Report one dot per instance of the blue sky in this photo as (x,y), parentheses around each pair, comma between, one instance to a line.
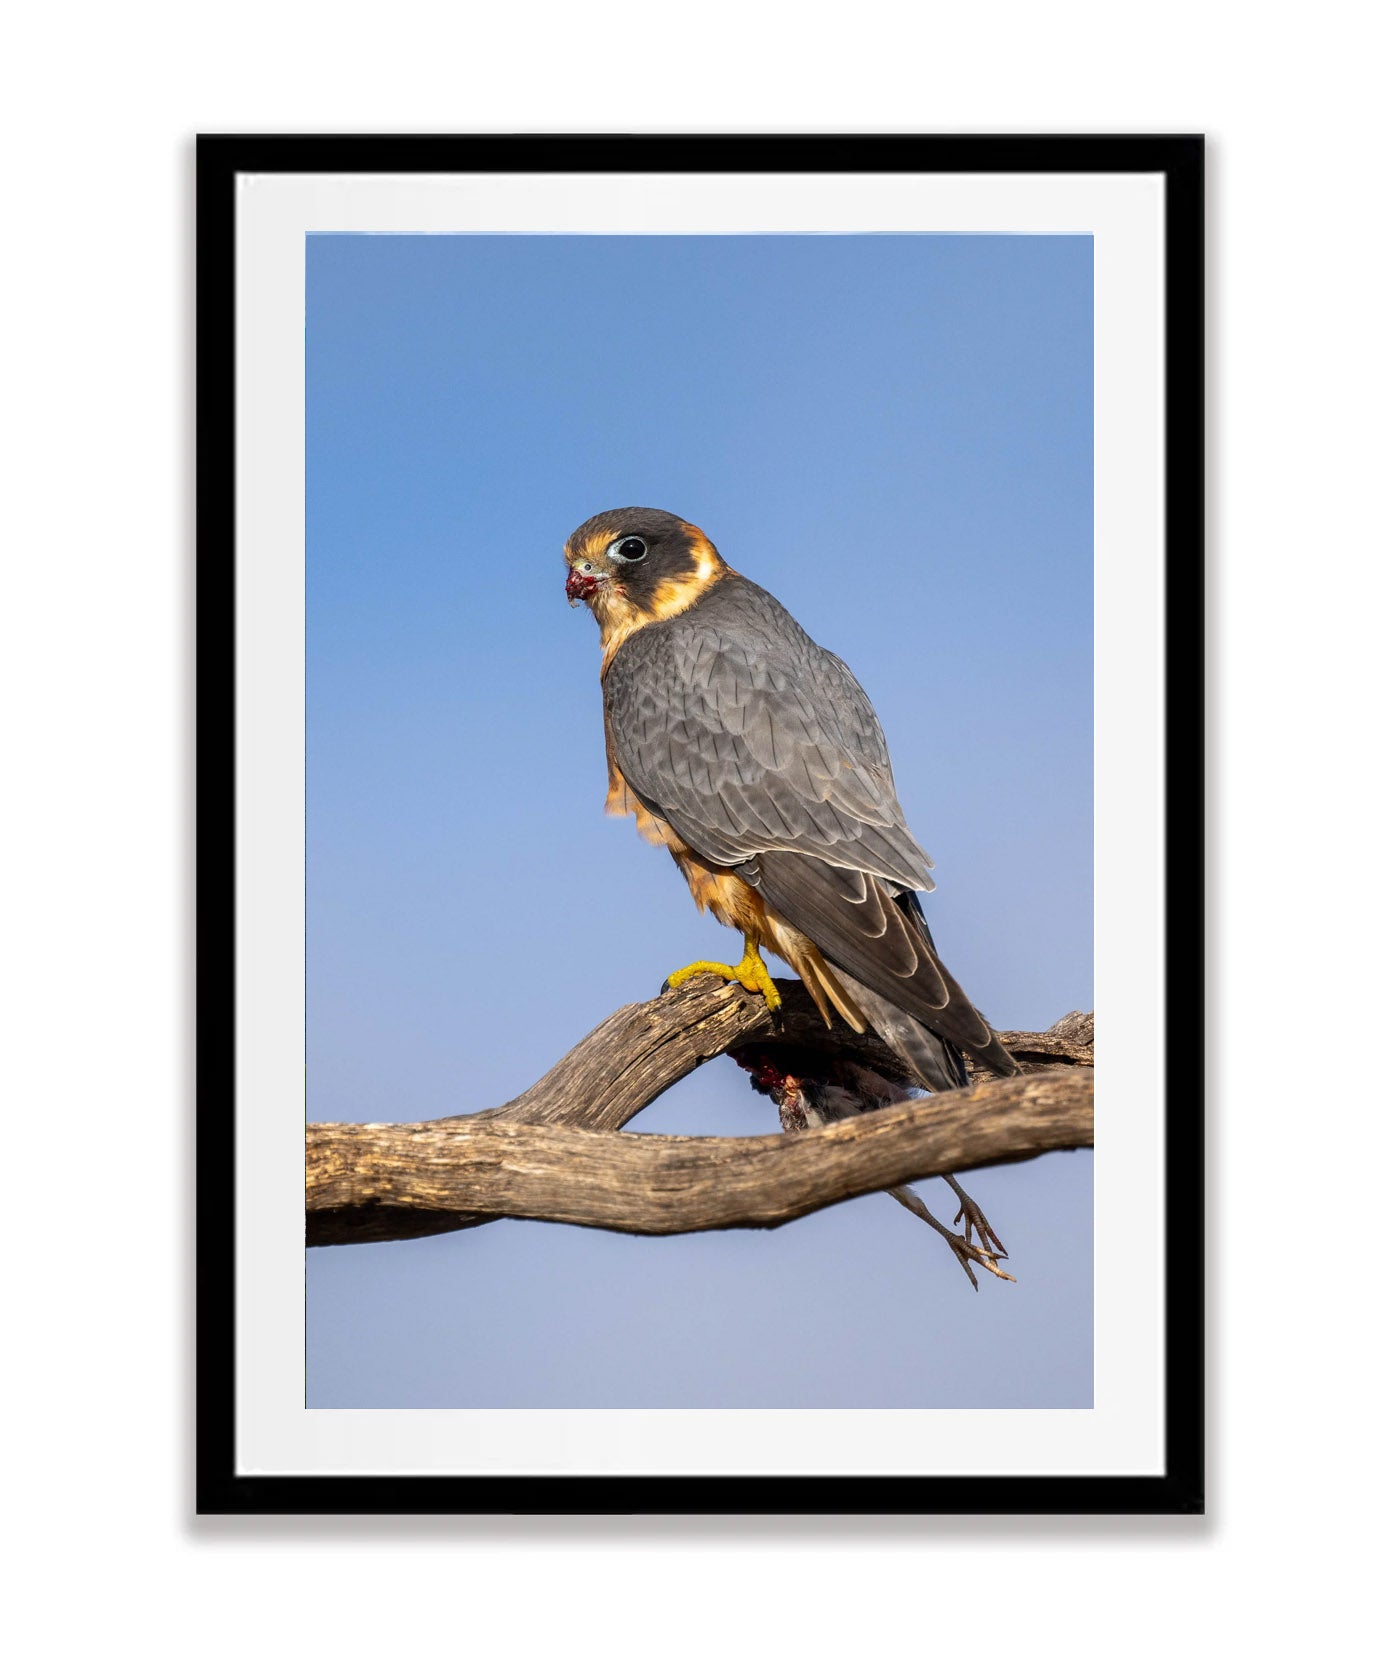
(894,435)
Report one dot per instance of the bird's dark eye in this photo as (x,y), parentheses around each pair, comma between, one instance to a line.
(629,548)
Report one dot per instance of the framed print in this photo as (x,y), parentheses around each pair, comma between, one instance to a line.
(520,1189)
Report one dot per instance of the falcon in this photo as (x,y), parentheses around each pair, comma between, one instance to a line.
(757,760)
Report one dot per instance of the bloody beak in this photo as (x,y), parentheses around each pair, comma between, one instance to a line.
(578,586)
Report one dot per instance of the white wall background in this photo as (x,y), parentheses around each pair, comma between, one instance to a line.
(1285,1575)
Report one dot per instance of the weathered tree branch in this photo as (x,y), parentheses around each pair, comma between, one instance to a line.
(658,1185)
(528,1159)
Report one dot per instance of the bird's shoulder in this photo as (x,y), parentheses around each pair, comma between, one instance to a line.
(733,724)
(736,625)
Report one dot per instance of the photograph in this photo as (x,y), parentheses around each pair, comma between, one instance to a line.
(880,446)
(702,764)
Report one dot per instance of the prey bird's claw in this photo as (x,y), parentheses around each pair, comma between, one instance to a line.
(973,1220)
(965,1252)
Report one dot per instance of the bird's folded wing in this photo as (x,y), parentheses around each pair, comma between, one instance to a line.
(854,919)
(733,725)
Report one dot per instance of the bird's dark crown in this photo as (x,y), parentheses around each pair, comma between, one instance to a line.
(661,531)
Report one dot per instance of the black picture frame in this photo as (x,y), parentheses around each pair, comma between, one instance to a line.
(1179,161)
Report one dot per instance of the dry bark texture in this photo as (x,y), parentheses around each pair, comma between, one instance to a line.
(533,1158)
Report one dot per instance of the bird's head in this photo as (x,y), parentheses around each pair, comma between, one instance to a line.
(640,559)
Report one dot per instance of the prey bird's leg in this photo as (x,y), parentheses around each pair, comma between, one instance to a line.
(976,1221)
(750,972)
(963,1249)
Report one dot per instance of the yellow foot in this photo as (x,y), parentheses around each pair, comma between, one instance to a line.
(751,974)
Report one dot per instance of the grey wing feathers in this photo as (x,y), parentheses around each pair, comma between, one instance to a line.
(878,937)
(733,724)
(934,1062)
(764,754)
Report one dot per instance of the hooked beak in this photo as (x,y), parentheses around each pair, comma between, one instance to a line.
(579,586)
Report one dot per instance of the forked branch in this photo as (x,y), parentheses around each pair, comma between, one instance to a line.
(532,1158)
